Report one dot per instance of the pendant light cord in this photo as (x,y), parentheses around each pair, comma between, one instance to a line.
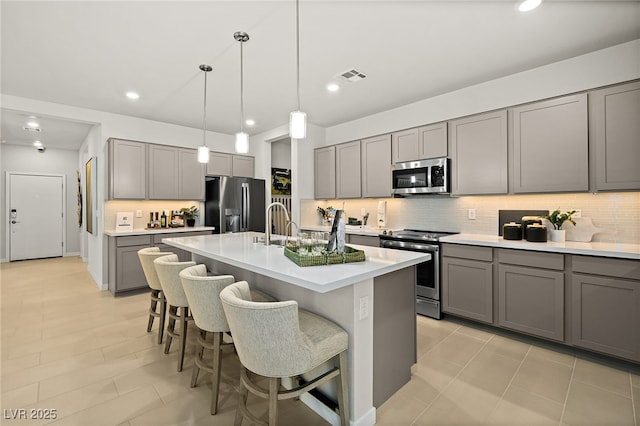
(204,115)
(241,88)
(298,50)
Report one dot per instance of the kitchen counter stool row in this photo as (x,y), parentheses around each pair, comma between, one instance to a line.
(273,339)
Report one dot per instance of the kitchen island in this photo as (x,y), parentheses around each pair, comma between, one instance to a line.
(374,301)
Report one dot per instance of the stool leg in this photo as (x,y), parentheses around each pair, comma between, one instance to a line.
(242,398)
(274,385)
(183,336)
(217,362)
(343,390)
(170,327)
(163,315)
(199,357)
(152,309)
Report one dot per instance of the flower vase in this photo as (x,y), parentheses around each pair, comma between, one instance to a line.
(557,235)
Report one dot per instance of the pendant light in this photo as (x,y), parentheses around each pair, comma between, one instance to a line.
(242,139)
(203,151)
(298,119)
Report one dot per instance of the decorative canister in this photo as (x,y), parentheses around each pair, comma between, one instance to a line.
(537,233)
(512,231)
(526,221)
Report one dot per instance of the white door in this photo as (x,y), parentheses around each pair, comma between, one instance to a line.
(35,216)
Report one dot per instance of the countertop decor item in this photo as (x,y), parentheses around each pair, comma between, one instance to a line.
(350,255)
(537,233)
(190,214)
(557,218)
(512,231)
(583,230)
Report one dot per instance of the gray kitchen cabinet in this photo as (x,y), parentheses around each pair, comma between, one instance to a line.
(364,240)
(405,145)
(127,170)
(325,173)
(348,170)
(125,270)
(531,292)
(220,164)
(467,281)
(478,151)
(615,137)
(243,166)
(432,141)
(376,166)
(605,305)
(191,175)
(550,146)
(163,172)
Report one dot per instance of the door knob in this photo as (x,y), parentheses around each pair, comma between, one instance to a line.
(14,221)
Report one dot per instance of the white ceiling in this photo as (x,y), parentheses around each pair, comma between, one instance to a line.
(89,53)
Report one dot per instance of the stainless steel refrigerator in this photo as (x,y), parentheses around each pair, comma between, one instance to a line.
(235,204)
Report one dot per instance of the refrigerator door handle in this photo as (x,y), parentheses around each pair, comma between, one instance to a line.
(245,207)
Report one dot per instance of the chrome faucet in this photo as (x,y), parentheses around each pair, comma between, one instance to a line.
(267,225)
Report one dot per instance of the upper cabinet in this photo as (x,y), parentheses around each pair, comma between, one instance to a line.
(163,172)
(432,140)
(614,114)
(376,166)
(127,170)
(223,164)
(191,175)
(550,146)
(325,172)
(405,146)
(348,177)
(478,150)
(243,166)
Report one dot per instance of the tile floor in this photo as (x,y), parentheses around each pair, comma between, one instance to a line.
(68,347)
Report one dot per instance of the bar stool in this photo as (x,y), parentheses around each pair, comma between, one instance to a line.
(277,340)
(147,256)
(168,269)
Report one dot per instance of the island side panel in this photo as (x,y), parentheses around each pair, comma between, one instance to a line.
(342,307)
(394,332)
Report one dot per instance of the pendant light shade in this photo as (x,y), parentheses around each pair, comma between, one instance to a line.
(203,151)
(242,139)
(298,119)
(297,125)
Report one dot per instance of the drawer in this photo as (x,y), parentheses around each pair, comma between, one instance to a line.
(534,259)
(621,268)
(157,238)
(468,252)
(133,240)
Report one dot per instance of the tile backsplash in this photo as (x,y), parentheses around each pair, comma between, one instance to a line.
(111,208)
(617,212)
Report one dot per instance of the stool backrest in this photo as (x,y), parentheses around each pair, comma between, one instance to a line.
(203,294)
(168,269)
(147,256)
(266,334)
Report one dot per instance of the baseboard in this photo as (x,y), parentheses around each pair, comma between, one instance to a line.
(4,260)
(72,253)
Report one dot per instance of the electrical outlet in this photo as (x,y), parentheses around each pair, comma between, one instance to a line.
(138,213)
(364,307)
(578,213)
(471,214)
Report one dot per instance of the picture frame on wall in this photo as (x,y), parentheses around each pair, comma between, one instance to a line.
(280,181)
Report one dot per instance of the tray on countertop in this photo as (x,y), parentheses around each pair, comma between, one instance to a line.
(350,255)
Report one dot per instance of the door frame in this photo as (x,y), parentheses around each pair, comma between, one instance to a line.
(7,192)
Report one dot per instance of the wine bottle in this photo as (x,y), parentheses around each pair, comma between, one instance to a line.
(163,220)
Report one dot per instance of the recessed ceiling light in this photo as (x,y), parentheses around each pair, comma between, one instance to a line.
(527,5)
(250,122)
(37,143)
(133,95)
(33,124)
(333,87)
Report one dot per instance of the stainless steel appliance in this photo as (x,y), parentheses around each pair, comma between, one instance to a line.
(421,177)
(428,273)
(235,204)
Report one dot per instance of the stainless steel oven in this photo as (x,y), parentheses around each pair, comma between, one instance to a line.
(428,273)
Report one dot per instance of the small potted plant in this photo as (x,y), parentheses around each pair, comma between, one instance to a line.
(557,219)
(325,215)
(190,214)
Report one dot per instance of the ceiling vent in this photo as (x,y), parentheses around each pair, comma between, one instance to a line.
(351,75)
(32,129)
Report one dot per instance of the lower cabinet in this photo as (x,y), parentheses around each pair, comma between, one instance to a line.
(605,306)
(364,240)
(467,282)
(125,270)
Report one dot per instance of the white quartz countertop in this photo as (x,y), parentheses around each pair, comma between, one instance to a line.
(350,229)
(143,231)
(624,251)
(239,250)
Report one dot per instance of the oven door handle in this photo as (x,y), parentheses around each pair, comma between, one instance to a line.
(405,245)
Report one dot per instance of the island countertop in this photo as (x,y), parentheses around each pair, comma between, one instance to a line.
(238,249)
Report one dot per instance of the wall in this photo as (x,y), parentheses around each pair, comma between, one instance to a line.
(16,158)
(618,213)
(281,154)
(572,75)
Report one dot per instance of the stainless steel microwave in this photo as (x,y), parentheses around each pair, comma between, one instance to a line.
(421,177)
